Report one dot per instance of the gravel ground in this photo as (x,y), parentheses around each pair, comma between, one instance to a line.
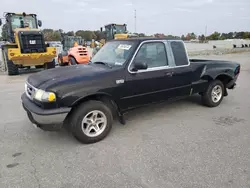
(177,145)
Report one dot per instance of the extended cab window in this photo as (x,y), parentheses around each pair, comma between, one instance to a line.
(179,51)
(152,53)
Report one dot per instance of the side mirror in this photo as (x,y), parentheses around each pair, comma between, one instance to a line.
(101,29)
(39,23)
(1,22)
(139,66)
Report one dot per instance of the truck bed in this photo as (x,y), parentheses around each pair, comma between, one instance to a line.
(195,63)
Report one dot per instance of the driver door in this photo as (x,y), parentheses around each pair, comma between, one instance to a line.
(150,85)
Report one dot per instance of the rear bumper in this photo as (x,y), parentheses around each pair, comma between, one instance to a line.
(49,120)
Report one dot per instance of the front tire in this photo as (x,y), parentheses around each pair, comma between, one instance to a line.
(50,65)
(214,94)
(12,68)
(60,60)
(91,122)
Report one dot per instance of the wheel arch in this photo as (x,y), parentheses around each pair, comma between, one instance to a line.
(104,97)
(70,55)
(224,78)
(73,57)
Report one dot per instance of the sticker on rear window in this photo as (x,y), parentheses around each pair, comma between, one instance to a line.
(124,47)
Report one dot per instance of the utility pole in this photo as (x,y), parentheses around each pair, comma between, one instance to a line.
(206,33)
(135,20)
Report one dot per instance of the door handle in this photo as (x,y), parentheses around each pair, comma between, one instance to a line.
(169,74)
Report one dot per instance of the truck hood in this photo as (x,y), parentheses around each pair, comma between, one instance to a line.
(47,78)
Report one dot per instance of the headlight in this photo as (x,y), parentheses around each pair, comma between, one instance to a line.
(44,96)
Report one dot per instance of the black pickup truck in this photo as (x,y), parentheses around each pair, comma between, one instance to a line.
(124,74)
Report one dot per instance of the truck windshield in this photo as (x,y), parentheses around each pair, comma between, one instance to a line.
(114,53)
(19,21)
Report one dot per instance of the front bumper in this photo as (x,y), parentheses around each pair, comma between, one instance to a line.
(30,59)
(49,120)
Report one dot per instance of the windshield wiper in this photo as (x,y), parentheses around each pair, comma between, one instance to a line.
(103,63)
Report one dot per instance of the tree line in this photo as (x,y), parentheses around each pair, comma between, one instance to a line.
(217,36)
(87,35)
(56,35)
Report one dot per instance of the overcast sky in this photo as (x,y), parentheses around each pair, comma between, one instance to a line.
(153,16)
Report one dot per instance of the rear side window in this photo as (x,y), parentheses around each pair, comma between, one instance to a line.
(179,52)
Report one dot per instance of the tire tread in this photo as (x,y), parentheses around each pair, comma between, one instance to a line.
(12,68)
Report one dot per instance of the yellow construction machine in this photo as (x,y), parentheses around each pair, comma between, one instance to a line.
(116,31)
(113,31)
(25,46)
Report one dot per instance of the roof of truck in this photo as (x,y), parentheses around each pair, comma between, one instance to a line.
(140,39)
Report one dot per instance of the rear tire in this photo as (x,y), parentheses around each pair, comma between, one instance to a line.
(50,65)
(60,60)
(91,122)
(214,94)
(72,61)
(12,68)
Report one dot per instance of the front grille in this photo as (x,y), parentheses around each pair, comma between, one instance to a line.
(32,42)
(30,90)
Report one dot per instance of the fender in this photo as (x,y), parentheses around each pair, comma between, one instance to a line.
(91,95)
(106,98)
(214,73)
